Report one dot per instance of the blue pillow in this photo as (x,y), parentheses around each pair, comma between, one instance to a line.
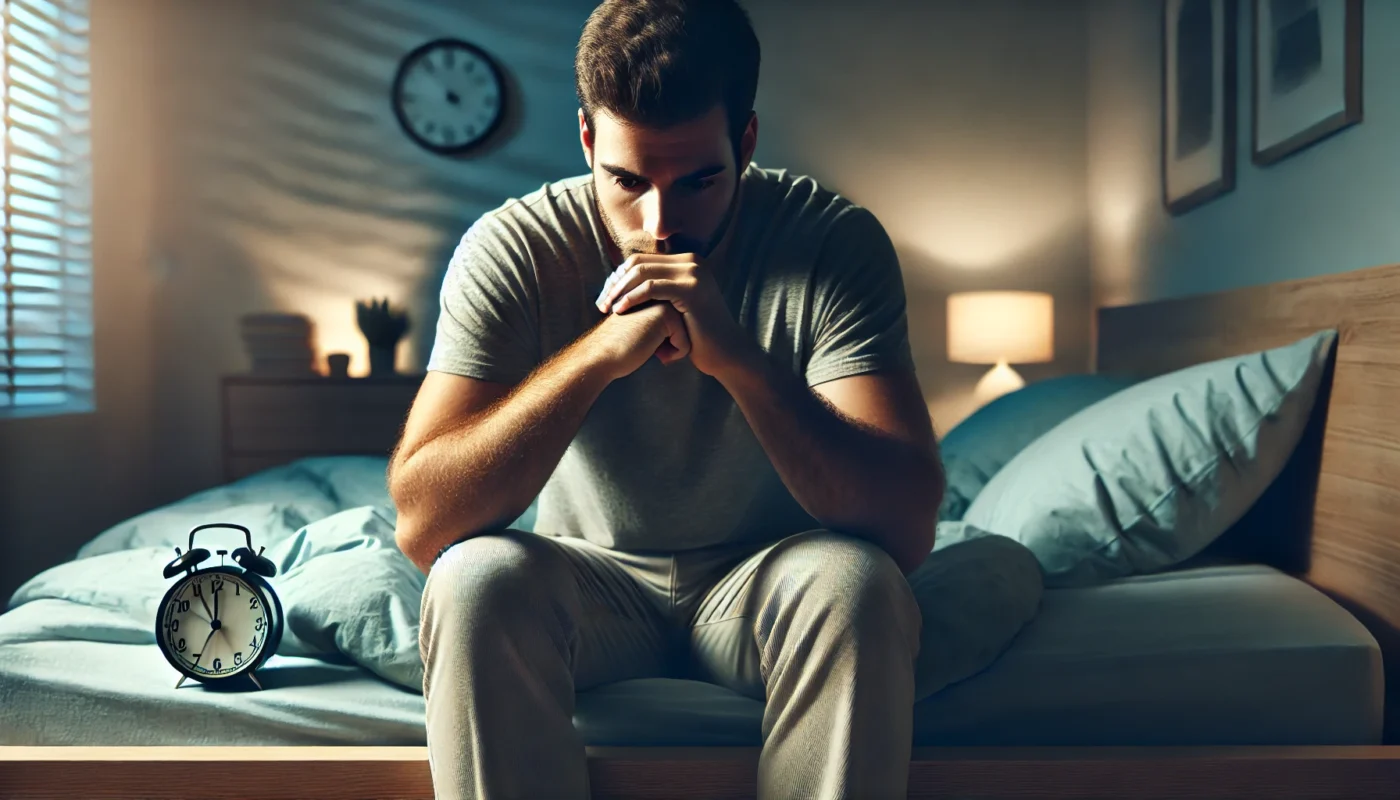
(1149,476)
(979,446)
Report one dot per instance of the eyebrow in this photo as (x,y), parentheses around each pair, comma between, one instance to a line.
(699,174)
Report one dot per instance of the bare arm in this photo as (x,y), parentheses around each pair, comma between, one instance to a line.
(475,453)
(858,453)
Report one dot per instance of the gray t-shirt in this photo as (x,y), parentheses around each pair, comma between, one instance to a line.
(665,460)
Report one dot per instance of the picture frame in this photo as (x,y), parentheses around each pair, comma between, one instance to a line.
(1198,101)
(1306,58)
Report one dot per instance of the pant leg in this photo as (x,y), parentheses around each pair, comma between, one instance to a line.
(824,627)
(513,623)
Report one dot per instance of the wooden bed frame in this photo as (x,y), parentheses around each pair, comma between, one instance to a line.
(1346,543)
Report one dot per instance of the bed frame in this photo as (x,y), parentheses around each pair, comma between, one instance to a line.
(1346,479)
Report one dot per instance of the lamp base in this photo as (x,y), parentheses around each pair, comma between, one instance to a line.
(999,380)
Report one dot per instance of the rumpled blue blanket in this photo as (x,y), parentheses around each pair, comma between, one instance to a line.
(349,593)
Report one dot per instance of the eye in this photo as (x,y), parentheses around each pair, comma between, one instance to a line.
(700,185)
(627,184)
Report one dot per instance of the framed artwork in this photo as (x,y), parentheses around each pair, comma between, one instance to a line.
(1307,73)
(1198,101)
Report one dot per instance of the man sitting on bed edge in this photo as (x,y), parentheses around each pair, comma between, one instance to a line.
(702,512)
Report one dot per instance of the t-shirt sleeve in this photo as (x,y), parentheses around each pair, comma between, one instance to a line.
(858,320)
(487,324)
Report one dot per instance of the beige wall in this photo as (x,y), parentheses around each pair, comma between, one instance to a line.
(961,126)
(248,159)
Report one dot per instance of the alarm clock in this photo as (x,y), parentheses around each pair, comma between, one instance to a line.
(448,96)
(217,625)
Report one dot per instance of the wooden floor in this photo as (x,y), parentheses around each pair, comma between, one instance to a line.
(310,773)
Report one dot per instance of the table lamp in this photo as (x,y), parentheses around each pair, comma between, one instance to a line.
(1000,328)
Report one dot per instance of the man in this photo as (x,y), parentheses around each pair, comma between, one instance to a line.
(734,463)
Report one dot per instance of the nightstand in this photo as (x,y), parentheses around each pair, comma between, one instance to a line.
(271,420)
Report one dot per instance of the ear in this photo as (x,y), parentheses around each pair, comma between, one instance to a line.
(585,138)
(748,142)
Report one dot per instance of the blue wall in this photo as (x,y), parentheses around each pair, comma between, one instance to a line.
(1330,208)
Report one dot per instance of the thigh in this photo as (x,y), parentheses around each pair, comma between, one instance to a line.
(621,633)
(514,576)
(817,578)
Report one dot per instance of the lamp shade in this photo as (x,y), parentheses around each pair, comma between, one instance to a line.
(992,327)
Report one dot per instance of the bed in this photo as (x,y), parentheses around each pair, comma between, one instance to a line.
(1259,670)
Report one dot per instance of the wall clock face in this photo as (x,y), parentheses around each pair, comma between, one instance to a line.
(448,96)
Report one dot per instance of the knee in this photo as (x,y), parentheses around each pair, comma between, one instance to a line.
(855,580)
(487,578)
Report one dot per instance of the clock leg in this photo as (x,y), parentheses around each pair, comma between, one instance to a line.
(255,680)
(182,681)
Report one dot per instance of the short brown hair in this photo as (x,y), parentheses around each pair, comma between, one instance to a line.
(662,62)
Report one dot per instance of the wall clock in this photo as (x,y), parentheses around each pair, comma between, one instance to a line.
(448,96)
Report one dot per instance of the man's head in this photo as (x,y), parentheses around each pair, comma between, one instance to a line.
(666,91)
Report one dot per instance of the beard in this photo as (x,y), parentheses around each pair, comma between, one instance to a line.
(636,242)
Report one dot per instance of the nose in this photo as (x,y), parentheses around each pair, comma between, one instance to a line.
(659,218)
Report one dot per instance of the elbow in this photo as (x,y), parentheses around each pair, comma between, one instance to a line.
(409,527)
(915,543)
(410,545)
(919,524)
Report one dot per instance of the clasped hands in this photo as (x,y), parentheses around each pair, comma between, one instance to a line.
(716,343)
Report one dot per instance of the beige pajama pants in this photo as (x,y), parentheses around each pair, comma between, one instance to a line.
(821,625)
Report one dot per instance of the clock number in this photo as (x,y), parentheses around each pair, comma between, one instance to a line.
(258,624)
(218,586)
(254,643)
(184,606)
(197,591)
(218,664)
(252,602)
(238,658)
(174,625)
(180,646)
(236,589)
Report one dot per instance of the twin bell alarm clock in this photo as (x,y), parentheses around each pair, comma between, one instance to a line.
(218,624)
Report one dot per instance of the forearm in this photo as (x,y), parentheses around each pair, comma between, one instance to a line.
(484,472)
(849,477)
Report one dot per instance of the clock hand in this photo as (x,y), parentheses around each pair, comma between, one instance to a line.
(216,604)
(204,647)
(205,603)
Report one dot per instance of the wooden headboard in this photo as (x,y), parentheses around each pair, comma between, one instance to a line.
(1347,542)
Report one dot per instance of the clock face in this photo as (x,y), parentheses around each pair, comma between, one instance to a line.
(214,624)
(448,95)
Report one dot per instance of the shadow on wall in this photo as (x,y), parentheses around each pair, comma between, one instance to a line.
(287,183)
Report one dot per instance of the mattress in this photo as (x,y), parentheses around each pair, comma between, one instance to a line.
(1213,655)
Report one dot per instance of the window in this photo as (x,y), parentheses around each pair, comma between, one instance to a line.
(46,221)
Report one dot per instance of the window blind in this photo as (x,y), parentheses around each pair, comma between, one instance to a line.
(46,301)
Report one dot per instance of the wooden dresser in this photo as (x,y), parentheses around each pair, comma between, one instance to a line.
(270,420)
